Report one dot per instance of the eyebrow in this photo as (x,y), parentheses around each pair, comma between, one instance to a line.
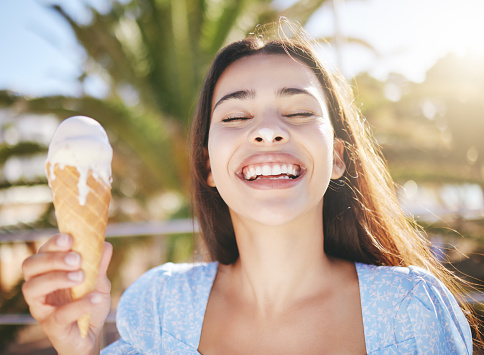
(250,94)
(237,95)
(285,92)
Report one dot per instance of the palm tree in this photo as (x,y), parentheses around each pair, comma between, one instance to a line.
(153,56)
(433,132)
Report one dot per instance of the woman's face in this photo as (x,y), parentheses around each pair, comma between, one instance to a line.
(270,142)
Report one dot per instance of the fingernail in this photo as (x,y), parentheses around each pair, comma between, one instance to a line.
(63,240)
(96,298)
(72,259)
(75,275)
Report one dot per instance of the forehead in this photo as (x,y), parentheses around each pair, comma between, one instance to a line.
(267,72)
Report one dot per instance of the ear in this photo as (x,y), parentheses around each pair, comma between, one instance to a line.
(339,165)
(210,180)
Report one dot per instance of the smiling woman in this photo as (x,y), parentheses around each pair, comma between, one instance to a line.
(306,240)
(244,124)
(282,125)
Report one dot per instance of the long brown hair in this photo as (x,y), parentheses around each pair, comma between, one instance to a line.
(362,219)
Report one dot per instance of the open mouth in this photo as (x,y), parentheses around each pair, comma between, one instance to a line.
(273,171)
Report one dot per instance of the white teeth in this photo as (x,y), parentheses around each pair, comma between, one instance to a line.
(281,177)
(252,172)
(266,170)
(276,171)
(248,176)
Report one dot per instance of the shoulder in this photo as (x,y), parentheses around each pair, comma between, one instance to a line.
(397,279)
(158,277)
(155,284)
(160,298)
(410,306)
(400,283)
(175,271)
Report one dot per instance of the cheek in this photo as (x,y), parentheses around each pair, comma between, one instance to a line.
(325,129)
(320,137)
(220,148)
(320,146)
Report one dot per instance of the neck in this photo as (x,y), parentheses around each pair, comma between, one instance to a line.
(279,265)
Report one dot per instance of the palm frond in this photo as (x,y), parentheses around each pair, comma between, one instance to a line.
(19,150)
(302,10)
(150,137)
(218,24)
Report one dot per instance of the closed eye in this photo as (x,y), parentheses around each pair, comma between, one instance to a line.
(233,119)
(300,114)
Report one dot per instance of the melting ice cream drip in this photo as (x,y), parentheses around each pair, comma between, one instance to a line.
(81,142)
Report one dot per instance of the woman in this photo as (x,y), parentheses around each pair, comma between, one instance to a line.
(311,253)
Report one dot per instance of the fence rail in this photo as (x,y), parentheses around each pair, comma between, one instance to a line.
(129,229)
(137,229)
(134,229)
(24,319)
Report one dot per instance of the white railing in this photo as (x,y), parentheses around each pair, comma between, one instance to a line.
(133,229)
(130,229)
(123,230)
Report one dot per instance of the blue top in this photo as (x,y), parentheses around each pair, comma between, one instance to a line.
(405,311)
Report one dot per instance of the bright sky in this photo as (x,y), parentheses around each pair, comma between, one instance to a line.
(408,35)
(40,55)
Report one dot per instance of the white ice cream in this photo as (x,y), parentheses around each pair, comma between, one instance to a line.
(81,142)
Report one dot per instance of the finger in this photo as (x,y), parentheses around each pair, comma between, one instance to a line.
(103,284)
(106,258)
(59,242)
(61,321)
(101,310)
(36,289)
(45,262)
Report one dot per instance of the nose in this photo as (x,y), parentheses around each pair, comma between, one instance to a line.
(269,134)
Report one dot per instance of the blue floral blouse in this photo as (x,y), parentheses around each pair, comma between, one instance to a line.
(405,311)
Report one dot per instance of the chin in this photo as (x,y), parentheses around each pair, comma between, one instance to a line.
(274,220)
(276,215)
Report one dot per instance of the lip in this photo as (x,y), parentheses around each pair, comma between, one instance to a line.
(267,158)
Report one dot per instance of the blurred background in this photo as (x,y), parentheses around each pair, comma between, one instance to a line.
(136,66)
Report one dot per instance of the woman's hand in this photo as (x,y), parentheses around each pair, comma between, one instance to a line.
(49,275)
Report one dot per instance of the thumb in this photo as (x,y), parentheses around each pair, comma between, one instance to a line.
(103,284)
(106,258)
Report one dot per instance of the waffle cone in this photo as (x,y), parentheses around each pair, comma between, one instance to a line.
(85,223)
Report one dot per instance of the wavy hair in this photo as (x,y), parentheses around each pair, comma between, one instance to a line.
(362,219)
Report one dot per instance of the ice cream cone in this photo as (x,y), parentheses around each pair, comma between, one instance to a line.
(79,173)
(86,223)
